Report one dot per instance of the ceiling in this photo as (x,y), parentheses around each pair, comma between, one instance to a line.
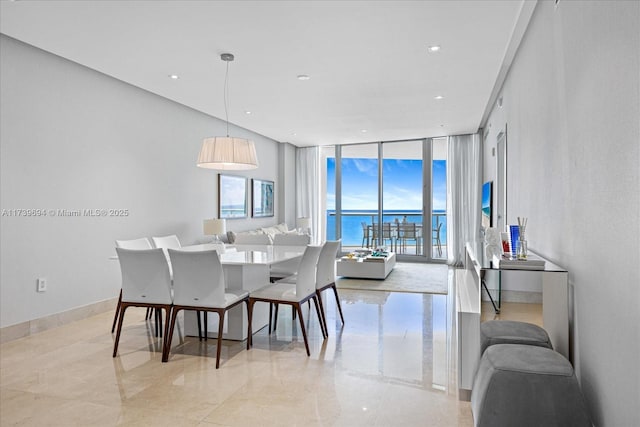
(371,76)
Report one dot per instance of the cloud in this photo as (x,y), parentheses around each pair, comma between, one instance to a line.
(364,166)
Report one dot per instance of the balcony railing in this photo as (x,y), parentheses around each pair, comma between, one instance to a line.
(359,229)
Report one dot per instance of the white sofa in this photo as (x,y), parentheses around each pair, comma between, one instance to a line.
(257,236)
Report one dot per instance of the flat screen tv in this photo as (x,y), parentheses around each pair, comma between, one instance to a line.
(486,203)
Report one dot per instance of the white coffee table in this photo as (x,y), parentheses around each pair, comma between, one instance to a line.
(362,269)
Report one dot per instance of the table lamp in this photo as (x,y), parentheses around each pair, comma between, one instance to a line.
(304,224)
(214,227)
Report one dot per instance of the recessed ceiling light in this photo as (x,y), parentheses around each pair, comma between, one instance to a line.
(247,112)
(293,134)
(303,77)
(438,97)
(363,130)
(174,76)
(433,49)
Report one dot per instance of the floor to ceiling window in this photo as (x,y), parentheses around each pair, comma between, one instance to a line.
(377,195)
(439,198)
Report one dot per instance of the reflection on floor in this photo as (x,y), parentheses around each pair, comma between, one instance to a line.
(392,364)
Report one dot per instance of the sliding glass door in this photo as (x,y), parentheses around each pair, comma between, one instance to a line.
(378,195)
(402,196)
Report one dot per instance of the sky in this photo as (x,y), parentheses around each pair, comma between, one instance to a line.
(402,184)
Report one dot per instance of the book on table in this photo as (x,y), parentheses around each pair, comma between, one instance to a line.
(375,258)
(532,262)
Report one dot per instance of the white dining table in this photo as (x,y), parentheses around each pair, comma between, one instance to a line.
(246,267)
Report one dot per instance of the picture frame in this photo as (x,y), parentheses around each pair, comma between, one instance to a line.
(232,196)
(487,204)
(262,197)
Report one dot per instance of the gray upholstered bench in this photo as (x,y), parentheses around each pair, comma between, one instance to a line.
(523,385)
(510,332)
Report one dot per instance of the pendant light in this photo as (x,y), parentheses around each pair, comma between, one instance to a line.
(225,152)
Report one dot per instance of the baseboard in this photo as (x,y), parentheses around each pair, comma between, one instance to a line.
(25,329)
(515,296)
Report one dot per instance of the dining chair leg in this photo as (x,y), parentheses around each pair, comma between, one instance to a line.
(335,292)
(158,315)
(169,337)
(206,325)
(220,329)
(199,326)
(321,319)
(270,316)
(275,319)
(115,316)
(123,308)
(249,320)
(167,313)
(298,308)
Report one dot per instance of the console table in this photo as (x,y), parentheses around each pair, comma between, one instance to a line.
(469,281)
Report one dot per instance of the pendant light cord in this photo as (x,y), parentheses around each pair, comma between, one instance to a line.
(226,90)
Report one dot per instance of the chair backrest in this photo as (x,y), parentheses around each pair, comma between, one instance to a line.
(252,239)
(365,228)
(408,230)
(167,242)
(145,276)
(142,243)
(436,231)
(281,239)
(198,278)
(386,231)
(306,280)
(326,271)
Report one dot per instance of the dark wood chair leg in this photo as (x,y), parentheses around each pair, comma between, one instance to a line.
(298,308)
(250,319)
(220,328)
(275,320)
(248,322)
(158,317)
(199,326)
(335,292)
(169,338)
(321,315)
(270,316)
(206,325)
(115,316)
(123,308)
(167,313)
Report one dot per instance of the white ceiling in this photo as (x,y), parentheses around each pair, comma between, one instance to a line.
(367,60)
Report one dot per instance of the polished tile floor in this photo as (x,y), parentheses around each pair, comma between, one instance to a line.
(392,364)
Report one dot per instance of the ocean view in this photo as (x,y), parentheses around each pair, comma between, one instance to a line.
(352,220)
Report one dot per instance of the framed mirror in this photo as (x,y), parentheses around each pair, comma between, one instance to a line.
(232,196)
(262,196)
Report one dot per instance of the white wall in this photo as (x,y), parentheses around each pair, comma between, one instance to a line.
(571,105)
(72,138)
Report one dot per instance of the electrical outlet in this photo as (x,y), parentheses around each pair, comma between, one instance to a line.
(42,285)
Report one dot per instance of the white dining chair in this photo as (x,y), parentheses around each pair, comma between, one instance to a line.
(292,294)
(146,282)
(199,284)
(167,242)
(172,242)
(325,278)
(142,243)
